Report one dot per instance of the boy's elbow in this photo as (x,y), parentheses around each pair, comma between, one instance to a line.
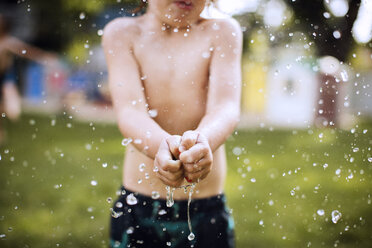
(235,118)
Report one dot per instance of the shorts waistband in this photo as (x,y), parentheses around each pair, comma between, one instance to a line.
(149,205)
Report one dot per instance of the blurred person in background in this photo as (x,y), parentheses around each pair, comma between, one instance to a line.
(10,46)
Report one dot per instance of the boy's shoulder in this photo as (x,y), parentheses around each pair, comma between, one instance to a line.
(222,25)
(122,26)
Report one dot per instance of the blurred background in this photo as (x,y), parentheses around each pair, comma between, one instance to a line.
(300,162)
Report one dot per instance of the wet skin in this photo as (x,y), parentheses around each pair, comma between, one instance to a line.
(188,70)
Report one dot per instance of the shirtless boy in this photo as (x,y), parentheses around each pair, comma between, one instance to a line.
(175,82)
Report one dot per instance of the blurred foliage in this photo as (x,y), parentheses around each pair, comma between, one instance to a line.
(277,181)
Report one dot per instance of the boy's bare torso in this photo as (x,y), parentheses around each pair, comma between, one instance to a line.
(174,68)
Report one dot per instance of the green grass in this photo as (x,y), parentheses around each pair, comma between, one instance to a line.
(274,187)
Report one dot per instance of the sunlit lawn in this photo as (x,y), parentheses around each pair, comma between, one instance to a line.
(279,184)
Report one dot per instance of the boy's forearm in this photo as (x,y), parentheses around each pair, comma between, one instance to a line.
(218,125)
(145,133)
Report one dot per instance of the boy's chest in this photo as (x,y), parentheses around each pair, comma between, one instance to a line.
(165,61)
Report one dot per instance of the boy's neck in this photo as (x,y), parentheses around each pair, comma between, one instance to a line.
(158,25)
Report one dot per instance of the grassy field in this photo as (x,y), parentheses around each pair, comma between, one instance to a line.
(57,179)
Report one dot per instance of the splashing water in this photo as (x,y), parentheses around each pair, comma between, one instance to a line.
(170,202)
(126,141)
(155,195)
(115,214)
(191,235)
(170,192)
(131,199)
(336,216)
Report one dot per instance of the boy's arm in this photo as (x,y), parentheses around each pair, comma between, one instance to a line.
(22,49)
(127,91)
(223,104)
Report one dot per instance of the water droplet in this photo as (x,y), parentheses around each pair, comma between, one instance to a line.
(237,151)
(338,172)
(337,34)
(24,51)
(104,165)
(261,223)
(115,214)
(350,176)
(131,199)
(109,199)
(141,167)
(100,32)
(130,230)
(206,55)
(153,113)
(370,159)
(139,181)
(356,149)
(326,15)
(336,216)
(344,76)
(169,243)
(155,195)
(156,169)
(320,212)
(82,16)
(215,26)
(126,141)
(191,236)
(119,204)
(170,192)
(88,147)
(162,212)
(93,183)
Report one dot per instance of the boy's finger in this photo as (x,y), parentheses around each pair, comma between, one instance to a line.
(194,154)
(171,183)
(172,166)
(172,176)
(197,175)
(192,168)
(189,139)
(163,155)
(173,144)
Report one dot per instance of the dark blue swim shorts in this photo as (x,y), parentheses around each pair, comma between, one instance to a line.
(139,221)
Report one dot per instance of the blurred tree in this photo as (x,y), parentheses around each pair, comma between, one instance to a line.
(331,34)
(330,29)
(59,22)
